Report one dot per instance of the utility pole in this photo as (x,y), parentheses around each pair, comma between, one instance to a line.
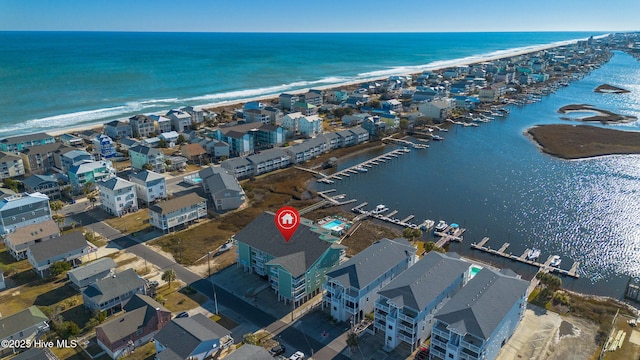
(213,287)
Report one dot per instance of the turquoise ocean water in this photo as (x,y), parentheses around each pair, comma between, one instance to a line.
(52,80)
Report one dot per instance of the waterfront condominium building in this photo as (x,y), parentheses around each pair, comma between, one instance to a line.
(478,321)
(350,290)
(23,209)
(295,269)
(405,307)
(20,143)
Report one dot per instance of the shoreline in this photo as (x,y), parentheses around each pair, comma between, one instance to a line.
(416,69)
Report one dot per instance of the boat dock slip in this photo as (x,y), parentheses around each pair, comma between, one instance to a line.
(408,218)
(392,213)
(546,266)
(362,167)
(448,235)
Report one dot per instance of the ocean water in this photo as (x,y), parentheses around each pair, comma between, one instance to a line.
(494,181)
(54,80)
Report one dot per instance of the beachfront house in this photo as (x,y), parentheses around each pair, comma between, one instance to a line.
(142,125)
(295,269)
(405,307)
(350,290)
(71,140)
(178,212)
(305,108)
(39,159)
(194,337)
(225,191)
(313,97)
(44,184)
(23,209)
(90,172)
(26,325)
(111,293)
(180,120)
(85,275)
(104,146)
(150,186)
(19,143)
(11,165)
(142,319)
(117,196)
(118,129)
(21,238)
(478,320)
(67,248)
(162,124)
(287,100)
(143,155)
(197,114)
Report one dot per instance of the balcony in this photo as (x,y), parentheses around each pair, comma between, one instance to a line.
(438,343)
(408,329)
(405,338)
(470,346)
(406,318)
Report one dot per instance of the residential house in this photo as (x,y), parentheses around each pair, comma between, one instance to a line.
(142,125)
(88,135)
(287,100)
(128,143)
(197,115)
(72,158)
(150,186)
(105,146)
(296,268)
(194,153)
(20,143)
(27,325)
(313,97)
(248,351)
(118,129)
(171,138)
(466,102)
(354,119)
(238,167)
(23,209)
(305,108)
(71,140)
(111,293)
(39,159)
(11,165)
(142,320)
(268,160)
(219,149)
(361,135)
(307,150)
(254,112)
(437,110)
(492,93)
(478,320)
(44,184)
(225,191)
(152,142)
(180,120)
(350,290)
(90,172)
(18,241)
(162,124)
(35,353)
(405,307)
(142,155)
(117,196)
(337,96)
(179,211)
(393,105)
(308,126)
(87,274)
(374,125)
(176,163)
(195,337)
(68,248)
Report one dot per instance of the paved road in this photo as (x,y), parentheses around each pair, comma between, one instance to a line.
(261,319)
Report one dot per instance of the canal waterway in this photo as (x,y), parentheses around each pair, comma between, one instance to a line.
(494,181)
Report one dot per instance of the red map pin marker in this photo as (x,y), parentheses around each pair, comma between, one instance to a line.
(287,220)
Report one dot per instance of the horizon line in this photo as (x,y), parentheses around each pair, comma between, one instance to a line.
(325,32)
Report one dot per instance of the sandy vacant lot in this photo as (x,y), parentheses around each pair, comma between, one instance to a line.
(547,335)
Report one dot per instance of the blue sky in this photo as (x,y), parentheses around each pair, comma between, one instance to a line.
(320,15)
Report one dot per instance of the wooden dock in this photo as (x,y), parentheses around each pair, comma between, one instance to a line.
(546,266)
(360,168)
(448,235)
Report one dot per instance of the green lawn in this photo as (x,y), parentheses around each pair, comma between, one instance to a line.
(131,223)
(178,300)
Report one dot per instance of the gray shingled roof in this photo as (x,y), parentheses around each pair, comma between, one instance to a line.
(115,183)
(93,268)
(139,310)
(248,351)
(419,285)
(36,354)
(371,262)
(169,206)
(141,149)
(480,305)
(112,287)
(234,163)
(218,179)
(19,321)
(267,155)
(146,176)
(28,137)
(57,246)
(34,181)
(297,255)
(182,335)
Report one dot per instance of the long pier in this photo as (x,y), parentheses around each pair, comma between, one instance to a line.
(545,267)
(389,217)
(362,167)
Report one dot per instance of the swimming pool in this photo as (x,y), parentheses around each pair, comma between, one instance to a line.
(475,270)
(333,224)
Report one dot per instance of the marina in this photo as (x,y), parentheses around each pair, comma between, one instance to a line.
(378,211)
(550,265)
(362,167)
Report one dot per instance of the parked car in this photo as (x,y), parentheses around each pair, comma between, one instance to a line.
(277,350)
(183,314)
(298,355)
(422,354)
